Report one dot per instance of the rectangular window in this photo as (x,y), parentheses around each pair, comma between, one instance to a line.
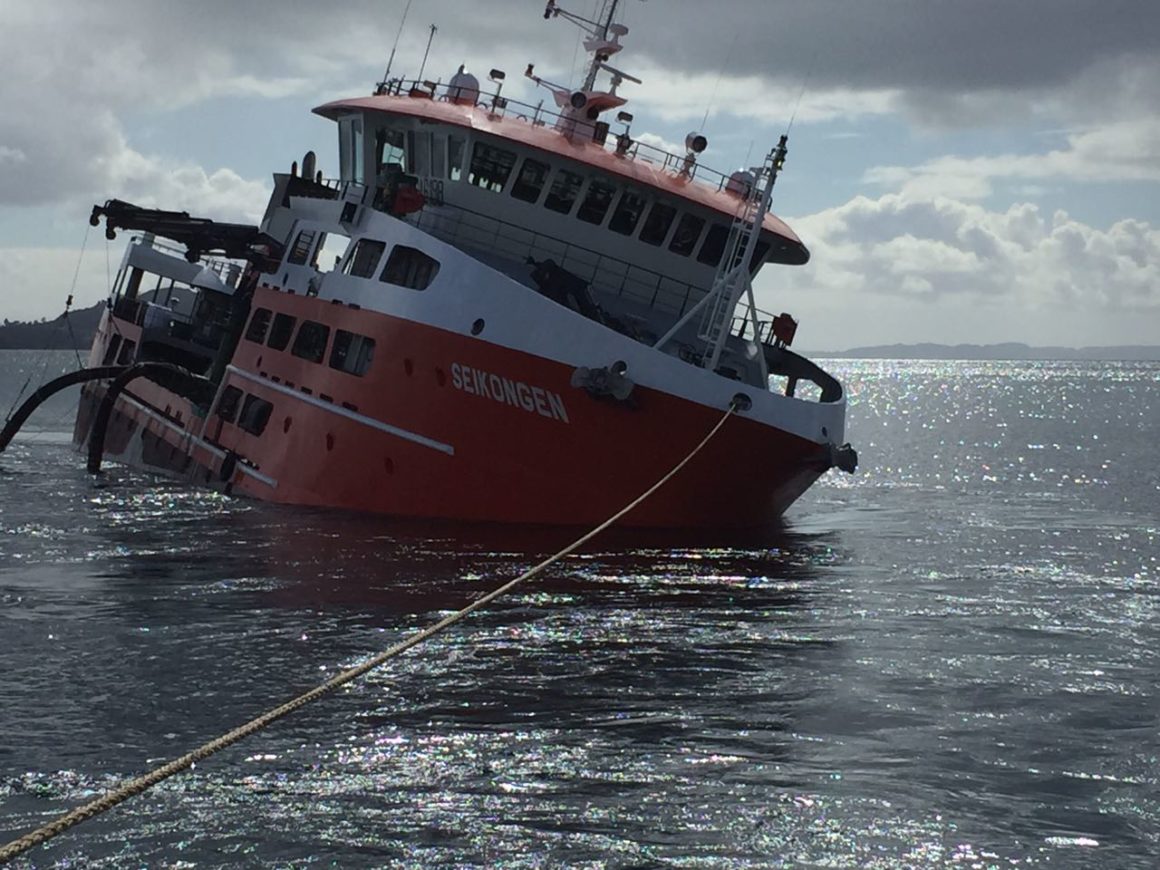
(562,194)
(409,267)
(686,235)
(300,251)
(455,147)
(228,404)
(255,415)
(281,331)
(714,245)
(628,212)
(419,149)
(352,353)
(530,180)
(596,202)
(490,166)
(350,149)
(438,156)
(259,323)
(365,259)
(310,342)
(656,225)
(128,352)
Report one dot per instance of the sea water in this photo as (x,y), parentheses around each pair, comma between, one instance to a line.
(951,658)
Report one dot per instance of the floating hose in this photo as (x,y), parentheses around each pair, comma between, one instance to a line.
(137,786)
(54,386)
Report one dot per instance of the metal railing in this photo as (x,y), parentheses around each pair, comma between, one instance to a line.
(465,228)
(622,145)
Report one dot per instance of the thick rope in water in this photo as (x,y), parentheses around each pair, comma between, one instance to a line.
(142,783)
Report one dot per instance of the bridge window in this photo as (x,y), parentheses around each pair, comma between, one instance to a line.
(490,166)
(389,148)
(259,323)
(310,342)
(628,212)
(281,331)
(455,146)
(596,201)
(365,259)
(409,267)
(352,353)
(350,149)
(563,192)
(714,246)
(656,225)
(530,180)
(688,231)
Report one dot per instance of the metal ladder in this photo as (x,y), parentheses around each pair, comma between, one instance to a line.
(732,278)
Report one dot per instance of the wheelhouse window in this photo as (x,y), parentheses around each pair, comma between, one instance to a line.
(281,331)
(419,150)
(455,148)
(628,212)
(686,235)
(656,225)
(350,149)
(310,342)
(389,149)
(714,245)
(596,201)
(259,323)
(530,180)
(490,166)
(563,192)
(300,250)
(409,267)
(365,259)
(352,353)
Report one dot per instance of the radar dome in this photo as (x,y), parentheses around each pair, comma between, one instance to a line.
(463,87)
(741,182)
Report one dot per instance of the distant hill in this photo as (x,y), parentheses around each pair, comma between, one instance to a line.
(1009,350)
(53,334)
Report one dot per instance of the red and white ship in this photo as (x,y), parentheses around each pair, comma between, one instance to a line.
(496,312)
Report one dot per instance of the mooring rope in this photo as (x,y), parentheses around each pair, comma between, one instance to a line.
(137,786)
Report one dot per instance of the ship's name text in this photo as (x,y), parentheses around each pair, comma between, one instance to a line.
(534,400)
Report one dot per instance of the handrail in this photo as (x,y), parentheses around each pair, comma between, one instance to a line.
(622,145)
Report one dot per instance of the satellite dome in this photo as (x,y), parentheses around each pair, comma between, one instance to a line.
(741,182)
(463,87)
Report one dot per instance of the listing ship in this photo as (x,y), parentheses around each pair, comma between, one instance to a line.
(497,312)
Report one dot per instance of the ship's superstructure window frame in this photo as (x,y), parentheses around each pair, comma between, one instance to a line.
(628,212)
(713,248)
(255,414)
(491,166)
(563,191)
(280,331)
(530,180)
(228,403)
(311,340)
(409,267)
(687,234)
(352,353)
(657,224)
(364,259)
(456,149)
(302,247)
(597,200)
(259,325)
(351,160)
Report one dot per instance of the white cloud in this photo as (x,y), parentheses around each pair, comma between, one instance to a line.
(900,269)
(45,277)
(1125,151)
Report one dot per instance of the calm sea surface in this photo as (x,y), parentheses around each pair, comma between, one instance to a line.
(950,659)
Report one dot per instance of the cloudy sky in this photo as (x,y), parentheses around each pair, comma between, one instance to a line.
(962,170)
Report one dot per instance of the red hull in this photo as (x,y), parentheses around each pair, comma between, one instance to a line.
(449,426)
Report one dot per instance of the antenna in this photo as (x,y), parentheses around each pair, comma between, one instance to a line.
(391,59)
(430,37)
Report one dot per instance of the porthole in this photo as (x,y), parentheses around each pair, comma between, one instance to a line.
(477,327)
